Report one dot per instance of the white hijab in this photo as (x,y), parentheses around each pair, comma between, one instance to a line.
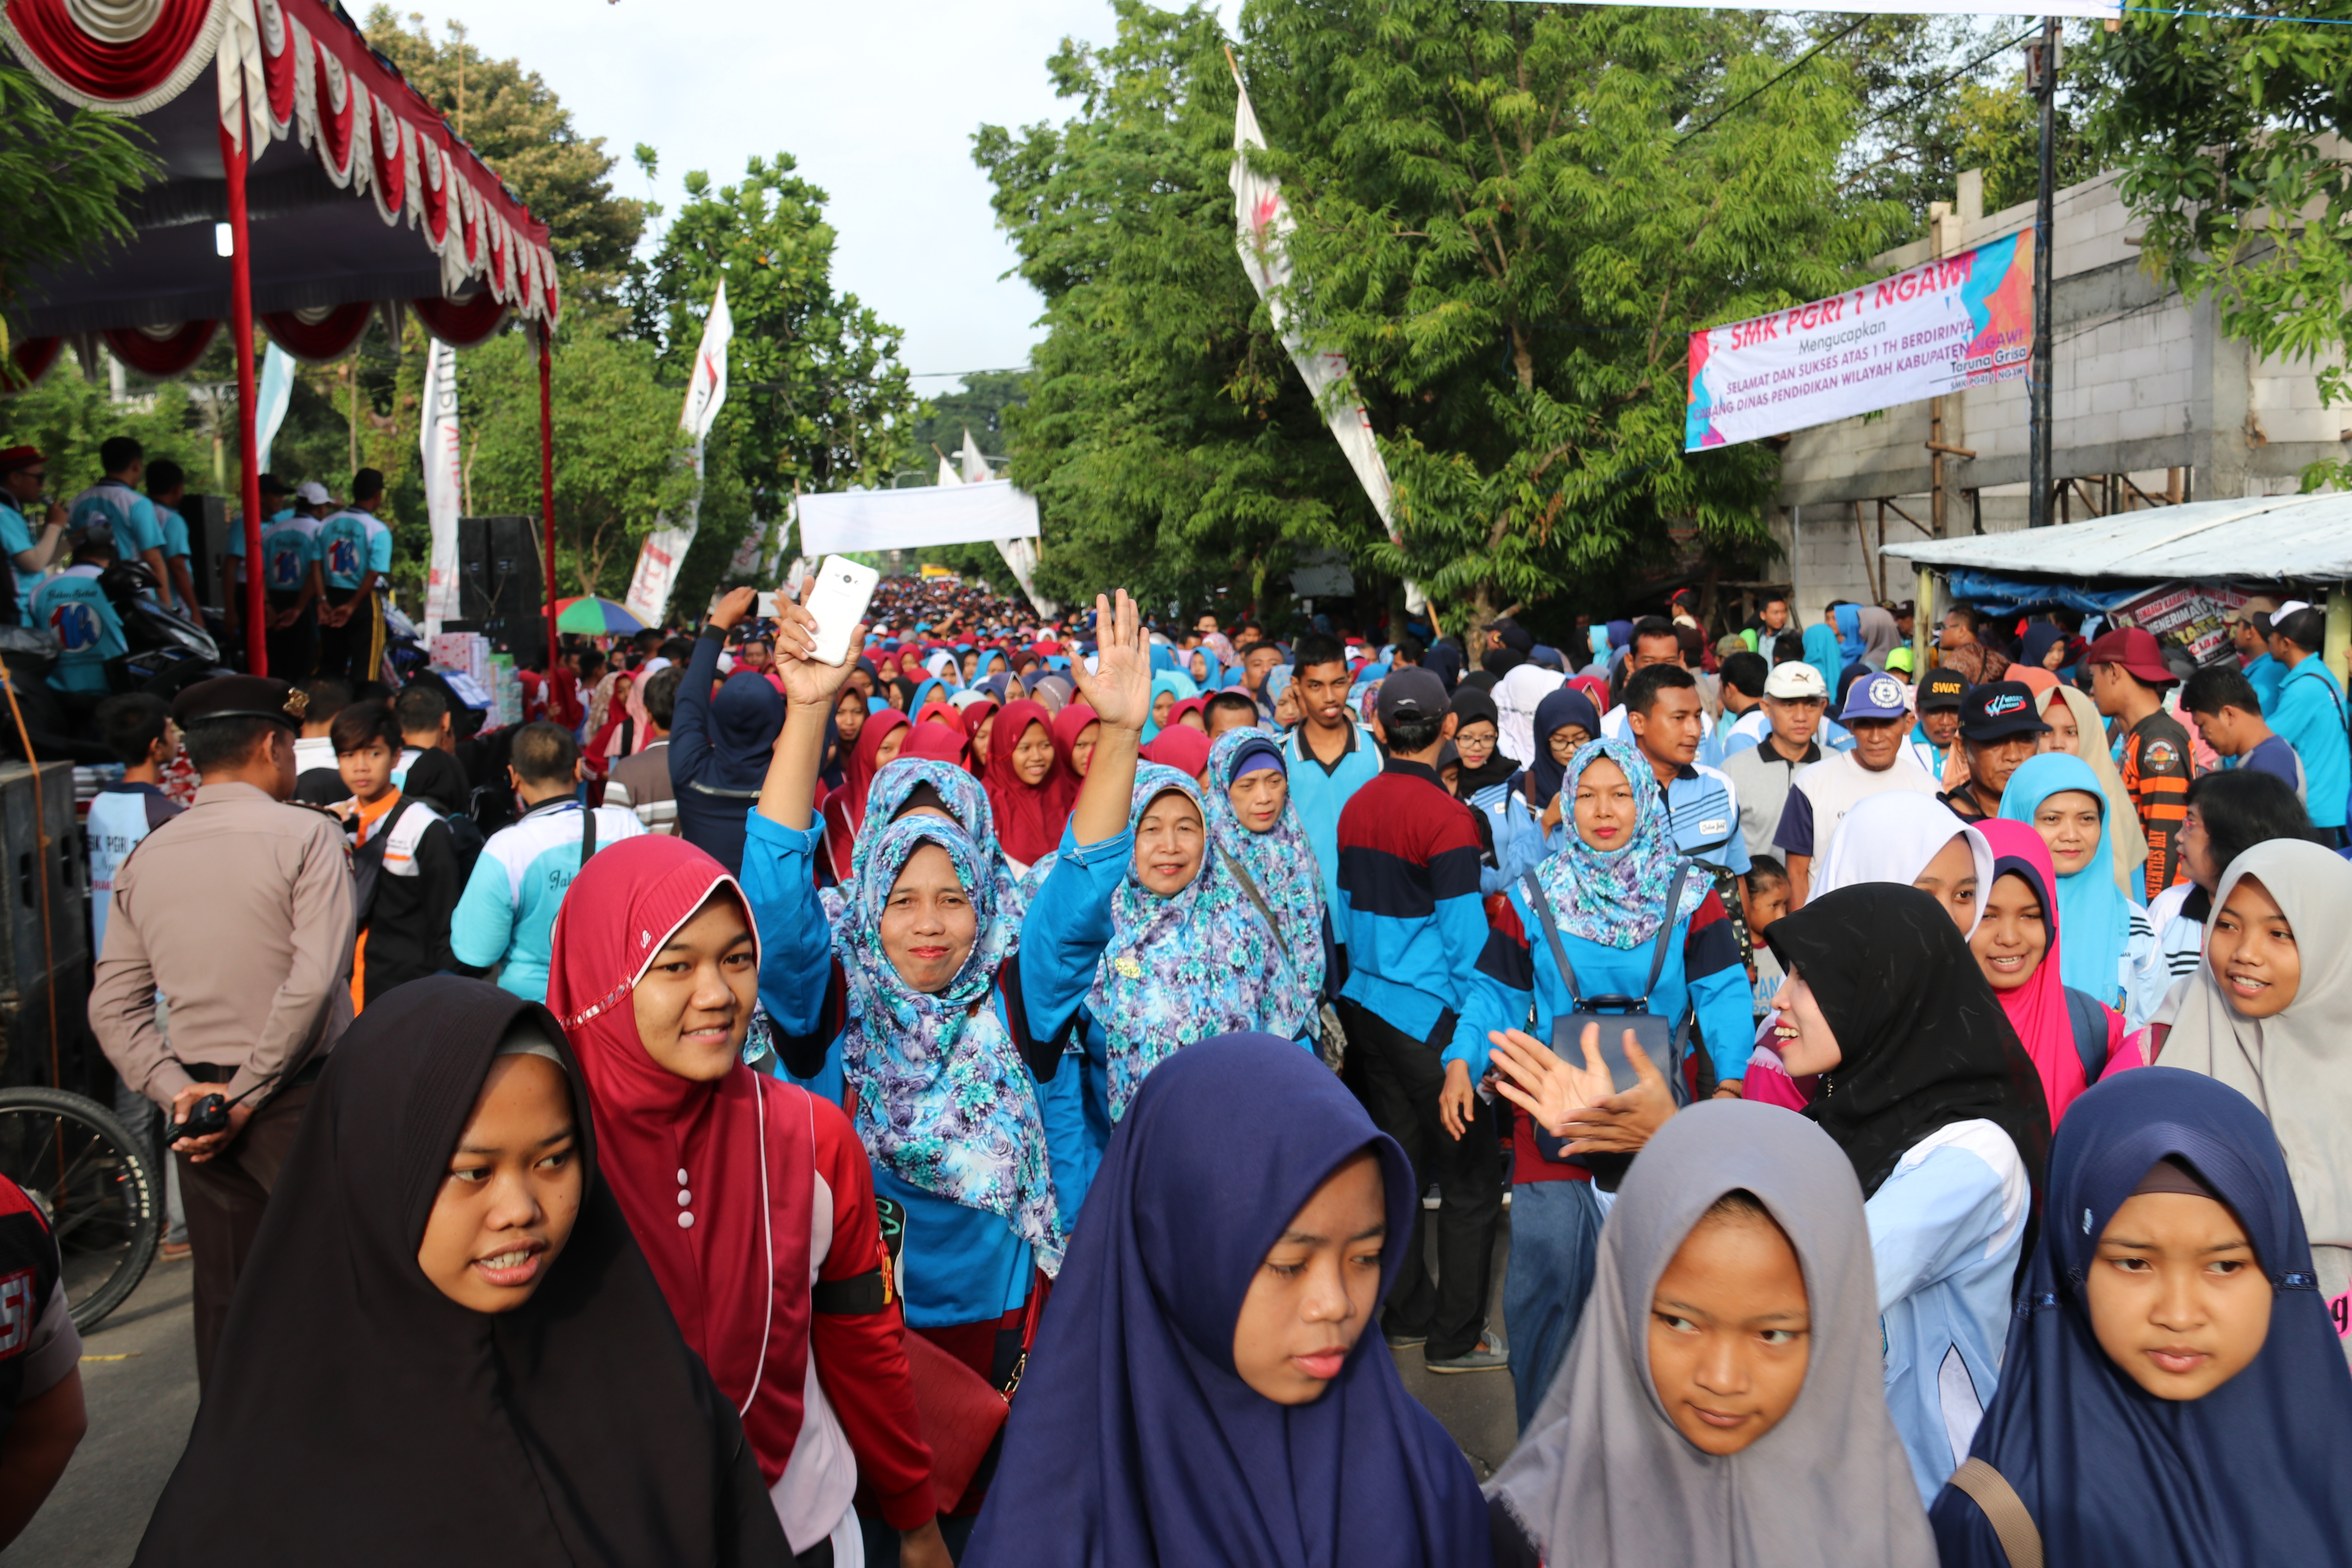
(1891,837)
(1515,695)
(2292,1064)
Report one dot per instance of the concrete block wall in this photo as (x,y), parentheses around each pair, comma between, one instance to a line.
(2144,382)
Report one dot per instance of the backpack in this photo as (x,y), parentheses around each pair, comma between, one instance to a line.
(2089,1020)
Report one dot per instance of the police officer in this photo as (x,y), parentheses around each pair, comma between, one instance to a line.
(240,910)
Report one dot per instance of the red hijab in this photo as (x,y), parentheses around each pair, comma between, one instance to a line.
(738,1155)
(942,713)
(1181,747)
(1029,817)
(974,716)
(845,808)
(2037,1009)
(938,742)
(1067,726)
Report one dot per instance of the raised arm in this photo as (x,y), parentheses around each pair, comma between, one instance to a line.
(1119,692)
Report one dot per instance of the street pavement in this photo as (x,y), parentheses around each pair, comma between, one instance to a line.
(138,1375)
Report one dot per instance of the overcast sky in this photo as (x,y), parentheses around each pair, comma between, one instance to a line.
(876,98)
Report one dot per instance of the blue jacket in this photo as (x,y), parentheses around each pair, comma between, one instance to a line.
(961,1265)
(1410,911)
(2310,714)
(2263,673)
(719,752)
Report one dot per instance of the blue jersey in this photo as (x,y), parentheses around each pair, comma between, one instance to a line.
(353,544)
(288,549)
(121,816)
(175,533)
(506,915)
(114,509)
(15,538)
(89,632)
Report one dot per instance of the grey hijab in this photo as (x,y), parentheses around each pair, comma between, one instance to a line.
(1879,636)
(1602,1479)
(2293,1064)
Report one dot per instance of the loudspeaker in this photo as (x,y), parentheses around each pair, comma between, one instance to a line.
(208,521)
(501,588)
(40,981)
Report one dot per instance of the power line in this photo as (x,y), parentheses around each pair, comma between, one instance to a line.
(1938,86)
(941,375)
(1798,65)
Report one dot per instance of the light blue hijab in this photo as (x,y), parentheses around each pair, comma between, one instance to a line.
(2093,911)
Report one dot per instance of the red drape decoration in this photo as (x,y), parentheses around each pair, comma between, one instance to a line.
(330,338)
(112,72)
(461,324)
(167,355)
(33,357)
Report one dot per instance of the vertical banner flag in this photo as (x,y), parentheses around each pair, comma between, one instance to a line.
(1020,554)
(664,551)
(270,401)
(438,442)
(1953,323)
(1262,231)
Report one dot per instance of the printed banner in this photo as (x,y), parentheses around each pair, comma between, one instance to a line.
(1942,326)
(2100,9)
(438,443)
(665,548)
(2186,613)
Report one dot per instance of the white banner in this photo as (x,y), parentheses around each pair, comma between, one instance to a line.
(270,401)
(841,521)
(437,441)
(665,548)
(1943,327)
(2102,8)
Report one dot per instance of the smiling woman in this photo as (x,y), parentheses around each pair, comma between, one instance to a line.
(435,1310)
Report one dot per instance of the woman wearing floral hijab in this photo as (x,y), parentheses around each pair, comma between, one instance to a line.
(942,1005)
(1606,894)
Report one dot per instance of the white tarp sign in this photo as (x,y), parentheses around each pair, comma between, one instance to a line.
(1262,231)
(438,442)
(1942,326)
(2101,8)
(270,401)
(665,548)
(841,521)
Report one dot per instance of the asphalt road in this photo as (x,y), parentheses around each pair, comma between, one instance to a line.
(139,1374)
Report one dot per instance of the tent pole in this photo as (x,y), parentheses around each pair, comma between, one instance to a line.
(240,309)
(547,485)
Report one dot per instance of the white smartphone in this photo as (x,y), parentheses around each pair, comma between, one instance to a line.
(844,589)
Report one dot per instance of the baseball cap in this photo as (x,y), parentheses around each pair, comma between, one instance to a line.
(1796,681)
(2260,605)
(1998,710)
(1943,689)
(2134,648)
(311,491)
(271,485)
(1874,697)
(1413,692)
(15,457)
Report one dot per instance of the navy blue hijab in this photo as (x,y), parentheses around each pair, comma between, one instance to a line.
(1133,1442)
(1566,706)
(2250,1474)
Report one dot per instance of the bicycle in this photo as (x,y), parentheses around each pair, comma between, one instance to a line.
(97,1187)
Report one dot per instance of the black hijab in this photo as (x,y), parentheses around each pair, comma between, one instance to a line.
(1469,707)
(352,1404)
(1924,1040)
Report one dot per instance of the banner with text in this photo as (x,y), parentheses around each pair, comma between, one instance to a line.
(1953,323)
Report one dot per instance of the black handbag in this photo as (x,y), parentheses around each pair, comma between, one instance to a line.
(1663,1040)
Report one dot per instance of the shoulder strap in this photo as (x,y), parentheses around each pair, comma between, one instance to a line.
(587,834)
(1249,886)
(1542,907)
(2090,1025)
(2003,1509)
(1665,930)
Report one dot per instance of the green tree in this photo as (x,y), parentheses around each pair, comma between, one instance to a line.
(814,390)
(620,457)
(2231,137)
(65,180)
(523,129)
(68,416)
(1169,445)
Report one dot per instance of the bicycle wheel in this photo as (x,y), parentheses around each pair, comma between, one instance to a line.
(97,1187)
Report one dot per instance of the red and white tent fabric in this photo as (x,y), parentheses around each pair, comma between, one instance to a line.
(344,190)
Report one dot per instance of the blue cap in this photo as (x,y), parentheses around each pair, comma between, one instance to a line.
(1874,696)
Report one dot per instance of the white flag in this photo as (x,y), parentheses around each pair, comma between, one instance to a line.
(1020,554)
(665,548)
(438,443)
(272,398)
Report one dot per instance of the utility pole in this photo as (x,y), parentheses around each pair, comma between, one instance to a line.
(2042,70)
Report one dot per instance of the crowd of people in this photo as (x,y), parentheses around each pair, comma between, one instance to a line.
(1014,1096)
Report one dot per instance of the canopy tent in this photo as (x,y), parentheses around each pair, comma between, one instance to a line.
(275,119)
(2261,541)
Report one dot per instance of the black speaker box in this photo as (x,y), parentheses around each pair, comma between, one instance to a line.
(502,591)
(41,980)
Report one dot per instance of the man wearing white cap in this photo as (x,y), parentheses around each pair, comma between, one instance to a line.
(1818,799)
(1761,776)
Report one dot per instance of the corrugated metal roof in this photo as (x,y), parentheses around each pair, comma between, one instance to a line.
(2302,537)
